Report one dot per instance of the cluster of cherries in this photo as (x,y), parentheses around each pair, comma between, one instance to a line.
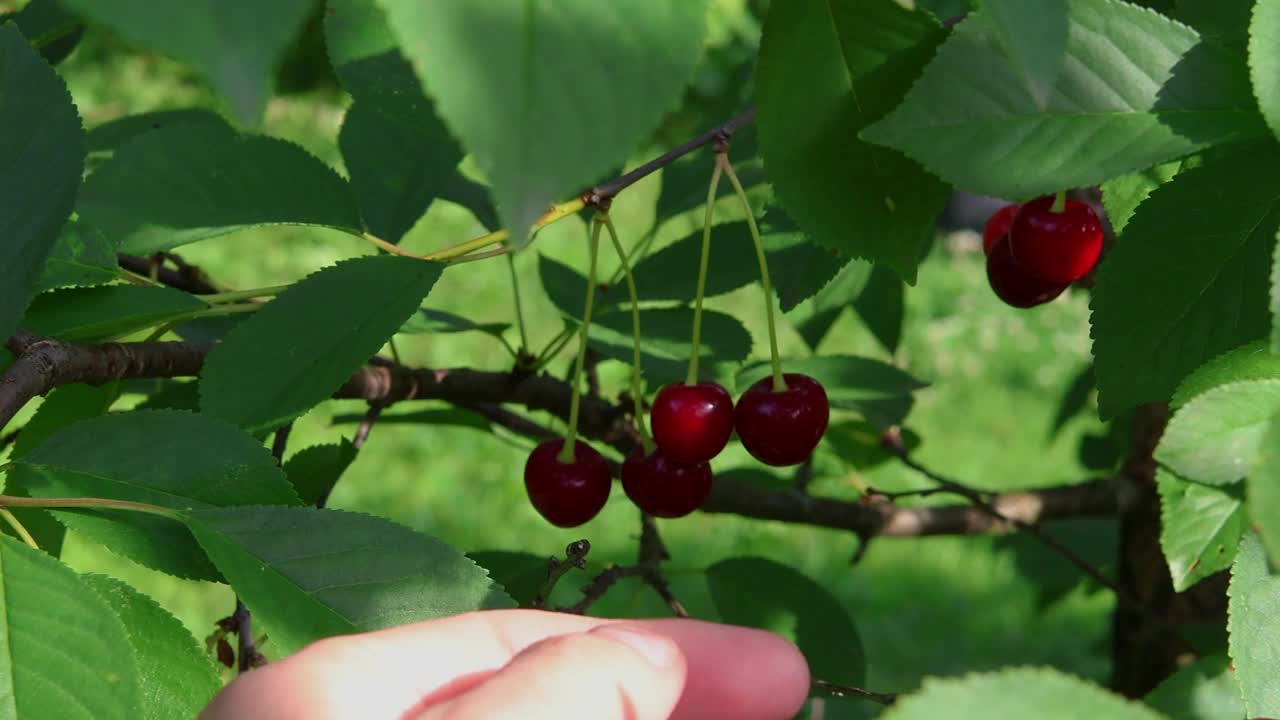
(691,425)
(1036,249)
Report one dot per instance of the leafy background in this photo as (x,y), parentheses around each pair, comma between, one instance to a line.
(923,607)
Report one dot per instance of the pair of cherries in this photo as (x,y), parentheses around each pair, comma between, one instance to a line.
(1035,251)
(691,425)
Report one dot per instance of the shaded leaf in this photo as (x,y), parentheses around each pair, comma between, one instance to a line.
(672,272)
(168,458)
(363,301)
(1204,690)
(63,406)
(1075,399)
(761,593)
(881,392)
(1096,540)
(1122,195)
(235,44)
(48,27)
(499,74)
(1200,527)
(109,136)
(427,321)
(175,677)
(307,574)
(435,416)
(313,471)
(857,59)
(187,182)
(882,306)
(83,663)
(522,574)
(1135,89)
(1041,693)
(664,343)
(92,314)
(43,150)
(857,442)
(82,256)
(1162,306)
(1253,361)
(367,60)
(1215,437)
(1253,621)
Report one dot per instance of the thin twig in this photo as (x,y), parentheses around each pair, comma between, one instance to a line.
(647,568)
(366,425)
(575,557)
(280,442)
(247,654)
(822,688)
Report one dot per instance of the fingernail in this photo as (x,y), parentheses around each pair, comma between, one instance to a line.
(656,649)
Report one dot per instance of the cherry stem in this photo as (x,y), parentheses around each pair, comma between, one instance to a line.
(18,528)
(515,292)
(571,437)
(1059,202)
(86,502)
(637,374)
(696,342)
(238,295)
(779,383)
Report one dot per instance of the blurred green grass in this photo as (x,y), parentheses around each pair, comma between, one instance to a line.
(923,606)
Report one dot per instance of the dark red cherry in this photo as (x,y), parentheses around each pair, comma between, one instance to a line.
(664,487)
(1013,284)
(997,225)
(782,428)
(1060,247)
(566,494)
(692,423)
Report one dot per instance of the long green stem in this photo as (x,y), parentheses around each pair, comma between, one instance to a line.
(515,292)
(637,374)
(695,343)
(87,502)
(779,383)
(571,437)
(237,295)
(18,527)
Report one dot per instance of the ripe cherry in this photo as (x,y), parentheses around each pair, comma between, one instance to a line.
(664,487)
(1013,284)
(692,423)
(566,494)
(997,225)
(1060,247)
(782,428)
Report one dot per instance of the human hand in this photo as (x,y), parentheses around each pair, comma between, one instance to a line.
(529,664)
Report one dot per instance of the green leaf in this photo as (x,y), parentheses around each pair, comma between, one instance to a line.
(1162,306)
(1214,439)
(1264,61)
(49,27)
(857,59)
(1200,527)
(43,150)
(1253,361)
(1075,399)
(1204,690)
(1135,89)
(109,136)
(175,677)
(1263,491)
(1122,195)
(63,406)
(799,269)
(881,392)
(367,60)
(1225,22)
(1034,38)
(168,458)
(664,343)
(102,313)
(882,306)
(236,45)
(548,96)
(758,592)
(396,169)
(62,650)
(82,256)
(438,322)
(313,471)
(187,182)
(522,574)
(814,319)
(857,443)
(672,272)
(363,302)
(306,574)
(1039,693)
(1253,620)
(1096,540)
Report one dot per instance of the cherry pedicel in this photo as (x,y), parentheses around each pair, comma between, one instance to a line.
(782,427)
(664,487)
(997,225)
(1057,241)
(567,494)
(1013,284)
(692,423)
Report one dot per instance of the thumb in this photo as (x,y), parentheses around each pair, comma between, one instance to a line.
(613,672)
